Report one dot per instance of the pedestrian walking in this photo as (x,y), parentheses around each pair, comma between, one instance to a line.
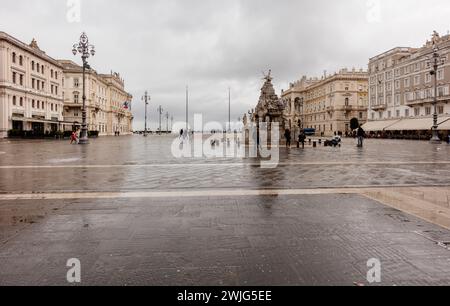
(73,137)
(302,139)
(361,134)
(287,135)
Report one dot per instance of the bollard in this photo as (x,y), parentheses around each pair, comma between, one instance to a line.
(320,141)
(314,144)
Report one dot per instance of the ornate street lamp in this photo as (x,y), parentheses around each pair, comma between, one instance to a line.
(146,98)
(86,50)
(434,62)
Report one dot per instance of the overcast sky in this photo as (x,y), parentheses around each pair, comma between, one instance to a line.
(210,45)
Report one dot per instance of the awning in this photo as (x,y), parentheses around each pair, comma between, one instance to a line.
(419,124)
(445,126)
(377,126)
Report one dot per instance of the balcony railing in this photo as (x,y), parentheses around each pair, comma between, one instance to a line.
(73,104)
(378,107)
(441,98)
(348,108)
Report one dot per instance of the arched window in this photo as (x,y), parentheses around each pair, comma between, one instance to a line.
(21,101)
(38,67)
(21,60)
(42,69)
(32,65)
(14,57)
(346,102)
(51,73)
(14,100)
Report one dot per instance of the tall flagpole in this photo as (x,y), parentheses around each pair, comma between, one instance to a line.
(187,109)
(229,109)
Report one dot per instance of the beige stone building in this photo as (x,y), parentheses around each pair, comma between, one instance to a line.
(106,100)
(402,90)
(30,88)
(327,104)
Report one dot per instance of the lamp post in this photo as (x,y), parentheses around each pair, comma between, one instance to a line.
(160,112)
(146,98)
(434,62)
(86,50)
(167,122)
(171,124)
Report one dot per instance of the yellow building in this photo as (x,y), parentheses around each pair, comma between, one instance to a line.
(107,102)
(327,104)
(30,88)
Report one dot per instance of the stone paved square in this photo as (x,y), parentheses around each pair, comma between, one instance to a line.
(143,217)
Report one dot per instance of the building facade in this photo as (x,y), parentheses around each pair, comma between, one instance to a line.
(401,89)
(107,102)
(30,88)
(327,105)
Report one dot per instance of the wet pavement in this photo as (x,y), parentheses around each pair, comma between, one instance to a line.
(137,163)
(217,239)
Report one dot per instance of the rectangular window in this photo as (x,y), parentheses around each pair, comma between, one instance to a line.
(417,80)
(427,110)
(14,76)
(397,99)
(406,82)
(406,112)
(417,112)
(440,109)
(76,83)
(397,113)
(440,75)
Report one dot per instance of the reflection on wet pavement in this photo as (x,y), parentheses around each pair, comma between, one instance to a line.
(131,163)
